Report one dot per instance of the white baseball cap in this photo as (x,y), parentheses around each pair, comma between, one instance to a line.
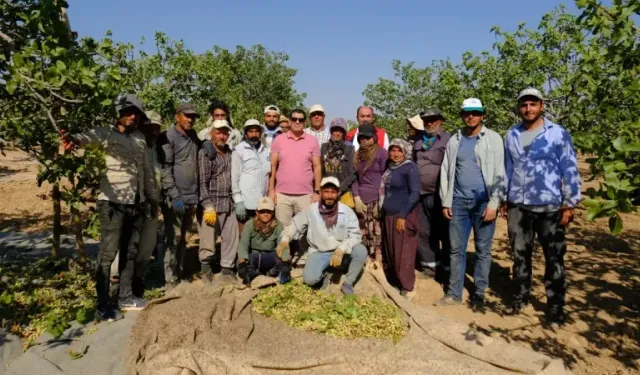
(330,181)
(317,108)
(530,91)
(271,108)
(219,124)
(472,104)
(252,122)
(416,122)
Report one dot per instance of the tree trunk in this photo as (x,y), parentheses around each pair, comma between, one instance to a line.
(77,228)
(57,225)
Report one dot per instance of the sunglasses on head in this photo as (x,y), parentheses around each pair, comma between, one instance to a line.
(313,114)
(298,119)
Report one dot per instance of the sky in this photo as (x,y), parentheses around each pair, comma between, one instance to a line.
(338,47)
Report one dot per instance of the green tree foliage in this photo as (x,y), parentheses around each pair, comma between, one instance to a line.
(586,66)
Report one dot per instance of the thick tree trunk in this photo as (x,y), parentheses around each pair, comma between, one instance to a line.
(57,224)
(77,228)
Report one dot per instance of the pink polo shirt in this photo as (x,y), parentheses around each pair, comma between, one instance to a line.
(295,164)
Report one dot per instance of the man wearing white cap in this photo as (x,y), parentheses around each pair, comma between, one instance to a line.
(250,169)
(472,186)
(217,217)
(271,128)
(334,238)
(543,190)
(317,128)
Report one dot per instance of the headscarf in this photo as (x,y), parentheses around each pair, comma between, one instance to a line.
(329,214)
(265,229)
(385,182)
(335,150)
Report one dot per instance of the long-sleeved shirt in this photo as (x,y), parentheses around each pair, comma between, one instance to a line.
(489,152)
(269,135)
(129,175)
(344,235)
(429,162)
(251,240)
(249,174)
(345,171)
(179,158)
(403,191)
(546,175)
(215,180)
(367,183)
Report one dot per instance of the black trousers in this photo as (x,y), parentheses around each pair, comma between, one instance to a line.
(119,224)
(433,236)
(524,225)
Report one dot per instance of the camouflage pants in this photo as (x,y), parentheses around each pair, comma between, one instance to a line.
(524,225)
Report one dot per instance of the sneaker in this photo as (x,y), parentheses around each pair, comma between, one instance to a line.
(108,314)
(132,304)
(477,303)
(447,301)
(346,289)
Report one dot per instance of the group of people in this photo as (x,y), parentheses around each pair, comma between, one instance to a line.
(279,194)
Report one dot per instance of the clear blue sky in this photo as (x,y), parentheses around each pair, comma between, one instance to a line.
(338,47)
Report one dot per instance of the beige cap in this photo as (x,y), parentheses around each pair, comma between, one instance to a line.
(266,203)
(283,118)
(416,122)
(219,124)
(154,118)
(252,122)
(317,108)
(330,181)
(271,108)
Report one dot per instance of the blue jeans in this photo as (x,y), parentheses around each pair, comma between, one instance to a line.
(315,269)
(467,215)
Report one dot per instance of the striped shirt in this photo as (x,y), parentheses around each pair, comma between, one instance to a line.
(215,181)
(322,136)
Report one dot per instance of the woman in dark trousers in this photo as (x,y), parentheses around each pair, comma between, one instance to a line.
(400,191)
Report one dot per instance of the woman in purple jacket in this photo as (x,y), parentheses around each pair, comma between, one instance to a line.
(399,194)
(370,162)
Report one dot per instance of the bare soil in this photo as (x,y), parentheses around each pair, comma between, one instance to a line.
(602,334)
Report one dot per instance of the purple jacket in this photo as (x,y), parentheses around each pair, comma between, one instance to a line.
(367,184)
(429,162)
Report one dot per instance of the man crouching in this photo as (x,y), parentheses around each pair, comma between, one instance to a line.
(334,238)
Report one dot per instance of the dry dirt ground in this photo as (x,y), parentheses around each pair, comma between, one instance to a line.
(602,335)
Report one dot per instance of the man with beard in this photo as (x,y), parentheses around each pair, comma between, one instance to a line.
(430,142)
(217,218)
(334,238)
(250,169)
(124,189)
(542,192)
(271,128)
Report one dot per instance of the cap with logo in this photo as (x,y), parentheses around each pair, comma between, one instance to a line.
(219,124)
(330,181)
(432,112)
(316,108)
(130,101)
(472,105)
(266,203)
(416,122)
(530,91)
(271,108)
(187,109)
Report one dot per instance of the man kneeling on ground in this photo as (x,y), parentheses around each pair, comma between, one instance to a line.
(333,235)
(257,249)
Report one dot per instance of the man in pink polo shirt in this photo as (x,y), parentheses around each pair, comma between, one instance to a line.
(296,169)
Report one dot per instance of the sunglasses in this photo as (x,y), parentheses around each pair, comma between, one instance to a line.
(472,113)
(265,211)
(298,119)
(314,114)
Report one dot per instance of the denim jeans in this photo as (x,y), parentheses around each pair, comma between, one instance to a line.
(315,269)
(467,215)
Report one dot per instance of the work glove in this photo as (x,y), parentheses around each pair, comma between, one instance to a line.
(241,211)
(247,272)
(336,259)
(361,208)
(285,273)
(178,206)
(280,249)
(210,216)
(209,150)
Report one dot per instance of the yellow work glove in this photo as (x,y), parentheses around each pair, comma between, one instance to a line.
(210,216)
(336,258)
(280,249)
(361,208)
